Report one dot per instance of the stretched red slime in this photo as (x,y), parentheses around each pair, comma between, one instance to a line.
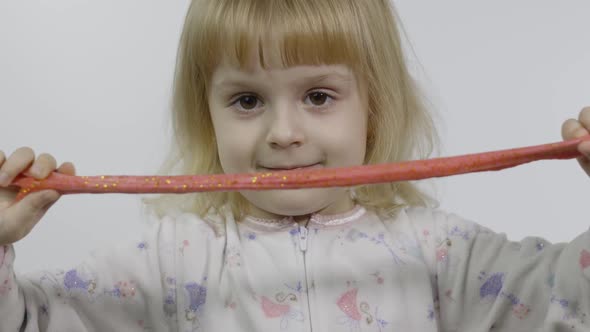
(294,179)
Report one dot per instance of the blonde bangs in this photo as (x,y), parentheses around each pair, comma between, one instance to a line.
(280,34)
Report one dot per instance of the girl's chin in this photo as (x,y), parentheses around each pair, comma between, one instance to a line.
(296,202)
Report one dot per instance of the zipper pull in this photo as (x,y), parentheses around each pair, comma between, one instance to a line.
(302,238)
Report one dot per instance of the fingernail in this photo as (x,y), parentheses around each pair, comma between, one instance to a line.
(35,171)
(4,179)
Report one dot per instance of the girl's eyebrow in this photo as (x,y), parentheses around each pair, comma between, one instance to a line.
(242,82)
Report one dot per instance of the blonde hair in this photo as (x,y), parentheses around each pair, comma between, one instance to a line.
(360,34)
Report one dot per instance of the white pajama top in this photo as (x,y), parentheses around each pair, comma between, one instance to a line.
(424,270)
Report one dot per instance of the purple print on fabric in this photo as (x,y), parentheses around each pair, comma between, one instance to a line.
(492,286)
(73,281)
(197,295)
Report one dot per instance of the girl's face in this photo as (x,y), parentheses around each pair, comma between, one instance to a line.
(276,119)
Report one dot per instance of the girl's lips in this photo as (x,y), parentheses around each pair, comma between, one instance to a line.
(314,166)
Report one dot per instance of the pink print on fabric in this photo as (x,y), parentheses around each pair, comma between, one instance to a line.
(347,303)
(378,278)
(354,313)
(520,310)
(280,310)
(273,310)
(584,259)
(185,244)
(124,289)
(442,254)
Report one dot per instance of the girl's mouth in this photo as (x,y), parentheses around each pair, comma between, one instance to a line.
(293,167)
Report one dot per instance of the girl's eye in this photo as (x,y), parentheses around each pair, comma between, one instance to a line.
(246,103)
(318,98)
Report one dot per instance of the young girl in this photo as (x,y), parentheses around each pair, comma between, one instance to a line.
(272,85)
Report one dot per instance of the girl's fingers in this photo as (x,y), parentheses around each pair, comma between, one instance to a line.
(67,168)
(18,161)
(584,117)
(572,129)
(17,220)
(23,161)
(43,166)
(577,128)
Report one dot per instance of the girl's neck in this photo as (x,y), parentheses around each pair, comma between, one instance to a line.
(340,207)
(315,219)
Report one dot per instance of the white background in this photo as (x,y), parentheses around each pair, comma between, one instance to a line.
(89,82)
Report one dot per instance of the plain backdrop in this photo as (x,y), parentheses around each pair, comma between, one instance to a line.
(90,82)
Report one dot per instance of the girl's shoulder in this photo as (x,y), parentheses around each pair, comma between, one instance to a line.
(433,214)
(427,214)
(413,213)
(428,218)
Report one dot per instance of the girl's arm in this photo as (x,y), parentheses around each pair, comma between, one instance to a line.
(119,290)
(487,282)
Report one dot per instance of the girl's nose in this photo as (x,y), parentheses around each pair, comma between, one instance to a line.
(286,128)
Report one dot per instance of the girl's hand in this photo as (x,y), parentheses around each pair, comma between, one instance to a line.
(17,220)
(577,128)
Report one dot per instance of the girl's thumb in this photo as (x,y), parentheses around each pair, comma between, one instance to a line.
(43,199)
(17,220)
